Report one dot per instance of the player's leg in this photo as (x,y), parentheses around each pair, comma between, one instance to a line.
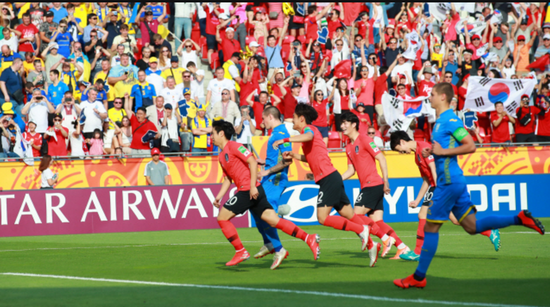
(262,226)
(359,217)
(272,243)
(493,235)
(365,202)
(236,203)
(444,199)
(355,223)
(414,255)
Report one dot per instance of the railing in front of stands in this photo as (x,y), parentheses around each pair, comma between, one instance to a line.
(202,154)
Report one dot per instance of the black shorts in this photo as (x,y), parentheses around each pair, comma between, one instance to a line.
(323,130)
(542,138)
(332,192)
(526,138)
(294,25)
(88,135)
(428,197)
(371,198)
(241,202)
(211,42)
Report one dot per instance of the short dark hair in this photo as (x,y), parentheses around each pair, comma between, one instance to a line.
(396,137)
(264,92)
(498,102)
(445,88)
(383,69)
(142,109)
(92,15)
(55,72)
(191,64)
(308,112)
(27,14)
(311,9)
(273,111)
(226,127)
(352,119)
(124,27)
(271,36)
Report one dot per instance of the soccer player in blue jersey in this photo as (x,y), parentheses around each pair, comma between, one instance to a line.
(274,181)
(450,140)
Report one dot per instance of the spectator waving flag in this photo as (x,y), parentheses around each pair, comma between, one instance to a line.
(484,92)
(414,45)
(399,113)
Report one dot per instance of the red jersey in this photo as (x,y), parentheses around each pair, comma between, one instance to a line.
(424,163)
(212,21)
(543,122)
(289,103)
(138,130)
(246,89)
(424,88)
(37,141)
(277,92)
(332,26)
(321,109)
(229,46)
(233,161)
(501,133)
(380,86)
(311,28)
(59,147)
(367,91)
(462,91)
(258,109)
(364,121)
(361,155)
(344,102)
(530,127)
(316,154)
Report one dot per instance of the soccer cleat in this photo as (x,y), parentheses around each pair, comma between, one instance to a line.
(264,251)
(400,252)
(364,235)
(278,258)
(313,242)
(239,257)
(410,256)
(530,222)
(373,253)
(387,245)
(409,282)
(495,238)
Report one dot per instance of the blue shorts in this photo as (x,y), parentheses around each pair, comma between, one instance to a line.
(273,193)
(323,130)
(450,198)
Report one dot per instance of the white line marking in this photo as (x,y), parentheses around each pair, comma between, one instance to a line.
(210,243)
(317,293)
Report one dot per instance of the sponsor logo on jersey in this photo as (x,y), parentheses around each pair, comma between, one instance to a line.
(226,158)
(244,151)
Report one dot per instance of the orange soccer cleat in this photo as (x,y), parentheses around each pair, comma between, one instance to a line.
(530,222)
(409,282)
(239,257)
(400,251)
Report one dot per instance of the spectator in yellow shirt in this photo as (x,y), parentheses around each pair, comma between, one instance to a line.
(174,71)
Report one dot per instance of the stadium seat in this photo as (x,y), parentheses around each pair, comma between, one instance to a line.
(345,141)
(204,48)
(196,32)
(139,45)
(334,140)
(419,135)
(215,60)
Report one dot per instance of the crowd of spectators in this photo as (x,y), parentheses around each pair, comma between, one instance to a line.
(104,78)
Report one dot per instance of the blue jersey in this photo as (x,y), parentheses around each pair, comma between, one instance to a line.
(448,132)
(56,93)
(274,156)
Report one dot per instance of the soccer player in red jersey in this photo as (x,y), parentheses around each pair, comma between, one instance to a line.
(401,142)
(331,187)
(240,166)
(369,205)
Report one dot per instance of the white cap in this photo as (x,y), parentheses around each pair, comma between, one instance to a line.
(546,36)
(223,16)
(229,29)
(254,44)
(53,45)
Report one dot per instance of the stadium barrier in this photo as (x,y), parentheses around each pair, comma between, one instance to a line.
(101,210)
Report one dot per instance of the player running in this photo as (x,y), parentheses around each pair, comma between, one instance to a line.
(331,187)
(362,153)
(239,164)
(274,181)
(401,142)
(450,139)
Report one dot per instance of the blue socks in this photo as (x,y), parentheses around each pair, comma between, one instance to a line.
(496,222)
(269,234)
(431,240)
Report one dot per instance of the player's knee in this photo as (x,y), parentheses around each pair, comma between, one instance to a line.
(470,230)
(321,219)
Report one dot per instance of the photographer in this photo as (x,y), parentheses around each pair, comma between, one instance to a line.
(245,127)
(525,123)
(63,39)
(37,110)
(69,111)
(56,137)
(8,127)
(69,75)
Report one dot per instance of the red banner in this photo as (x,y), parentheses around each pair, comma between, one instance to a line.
(79,211)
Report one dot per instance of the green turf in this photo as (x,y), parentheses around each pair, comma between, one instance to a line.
(465,269)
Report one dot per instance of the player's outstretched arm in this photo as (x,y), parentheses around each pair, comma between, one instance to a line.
(349,172)
(302,138)
(384,168)
(225,187)
(291,155)
(468,145)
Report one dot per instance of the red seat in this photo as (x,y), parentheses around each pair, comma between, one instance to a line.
(204,47)
(139,45)
(334,140)
(419,135)
(196,33)
(215,60)
(345,141)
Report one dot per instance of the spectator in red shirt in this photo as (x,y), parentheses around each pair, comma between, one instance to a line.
(34,138)
(30,36)
(543,120)
(258,107)
(475,43)
(320,105)
(425,85)
(57,145)
(229,44)
(499,120)
(364,118)
(334,21)
(311,21)
(525,124)
(140,126)
(148,23)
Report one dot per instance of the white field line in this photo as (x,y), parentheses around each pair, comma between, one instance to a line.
(315,293)
(206,243)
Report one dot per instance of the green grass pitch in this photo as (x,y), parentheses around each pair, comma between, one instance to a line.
(466,269)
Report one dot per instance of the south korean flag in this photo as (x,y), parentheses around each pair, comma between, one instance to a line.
(484,92)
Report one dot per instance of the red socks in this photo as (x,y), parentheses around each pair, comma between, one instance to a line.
(338,222)
(420,236)
(231,234)
(374,229)
(486,233)
(389,231)
(290,229)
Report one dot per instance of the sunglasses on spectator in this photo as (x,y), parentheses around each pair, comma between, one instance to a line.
(94,18)
(225,93)
(117,102)
(372,58)
(371,133)
(186,76)
(165,51)
(521,40)
(358,40)
(339,45)
(393,42)
(188,46)
(320,94)
(303,66)
(476,39)
(364,70)
(546,39)
(57,120)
